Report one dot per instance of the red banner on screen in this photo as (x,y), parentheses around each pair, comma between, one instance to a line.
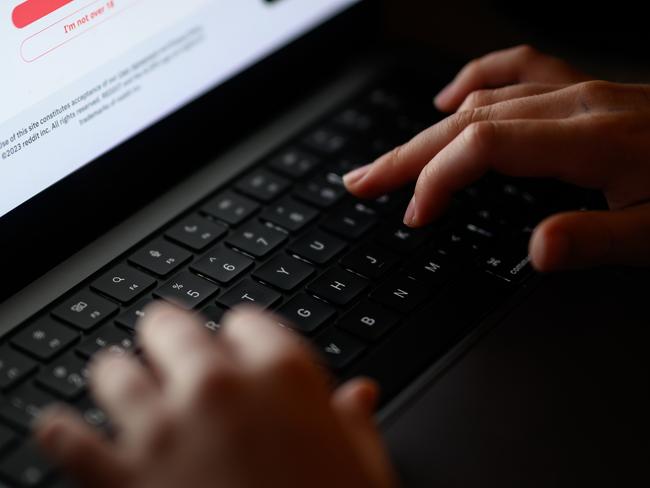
(32,10)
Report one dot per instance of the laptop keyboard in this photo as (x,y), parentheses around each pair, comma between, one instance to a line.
(374,297)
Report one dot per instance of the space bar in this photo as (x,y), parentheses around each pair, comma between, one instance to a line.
(430,333)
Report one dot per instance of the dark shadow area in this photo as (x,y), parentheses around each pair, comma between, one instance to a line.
(608,40)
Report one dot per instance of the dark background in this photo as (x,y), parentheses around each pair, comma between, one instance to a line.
(608,39)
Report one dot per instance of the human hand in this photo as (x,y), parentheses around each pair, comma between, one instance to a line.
(593,134)
(505,75)
(247,408)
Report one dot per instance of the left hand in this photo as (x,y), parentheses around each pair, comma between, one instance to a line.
(247,408)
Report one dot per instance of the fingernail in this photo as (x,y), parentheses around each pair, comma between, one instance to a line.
(369,396)
(444,94)
(550,252)
(48,415)
(409,216)
(355,176)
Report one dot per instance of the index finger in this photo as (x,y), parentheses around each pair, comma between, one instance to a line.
(263,347)
(179,349)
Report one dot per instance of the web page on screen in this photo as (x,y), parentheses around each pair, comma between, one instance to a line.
(80,77)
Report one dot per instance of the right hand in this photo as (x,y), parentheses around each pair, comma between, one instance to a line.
(590,133)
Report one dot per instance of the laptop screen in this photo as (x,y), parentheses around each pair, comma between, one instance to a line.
(81,76)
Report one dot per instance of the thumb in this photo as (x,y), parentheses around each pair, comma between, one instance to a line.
(583,239)
(355,403)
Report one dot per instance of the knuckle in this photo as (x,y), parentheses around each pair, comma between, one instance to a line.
(476,99)
(479,137)
(488,112)
(593,93)
(460,120)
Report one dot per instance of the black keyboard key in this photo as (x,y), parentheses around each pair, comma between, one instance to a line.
(249,292)
(14,367)
(347,163)
(289,214)
(212,317)
(26,467)
(369,321)
(85,310)
(66,377)
(318,247)
(326,140)
(160,257)
(409,126)
(481,231)
(305,313)
(381,144)
(431,267)
(402,239)
(7,438)
(196,232)
(231,208)
(44,338)
(338,286)
(511,264)
(107,338)
(467,240)
(21,407)
(457,245)
(294,163)
(223,265)
(403,294)
(322,191)
(284,272)
(134,314)
(354,119)
(124,283)
(257,239)
(262,185)
(370,261)
(351,222)
(386,99)
(187,290)
(393,204)
(338,348)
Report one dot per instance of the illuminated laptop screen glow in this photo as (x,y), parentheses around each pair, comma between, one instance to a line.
(80,77)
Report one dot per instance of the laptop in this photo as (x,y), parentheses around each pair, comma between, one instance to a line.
(188,151)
